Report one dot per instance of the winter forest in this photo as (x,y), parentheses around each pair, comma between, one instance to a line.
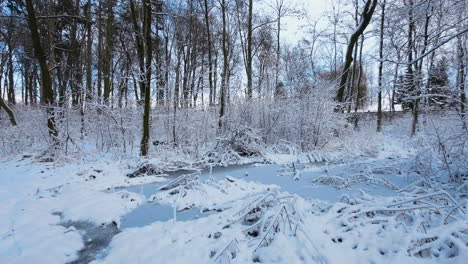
(233,131)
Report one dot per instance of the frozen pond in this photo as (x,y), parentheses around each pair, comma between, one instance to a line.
(280,175)
(152,212)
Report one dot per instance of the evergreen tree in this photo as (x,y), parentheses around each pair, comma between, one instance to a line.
(439,85)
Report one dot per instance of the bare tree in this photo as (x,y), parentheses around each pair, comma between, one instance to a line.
(381,43)
(149,55)
(365,20)
(210,56)
(461,78)
(49,99)
(249,51)
(108,50)
(224,75)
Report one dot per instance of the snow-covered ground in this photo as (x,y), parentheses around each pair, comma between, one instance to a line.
(340,208)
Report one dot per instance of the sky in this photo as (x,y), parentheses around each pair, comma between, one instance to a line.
(293,25)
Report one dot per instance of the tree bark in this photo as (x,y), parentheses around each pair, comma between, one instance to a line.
(416,82)
(365,19)
(49,99)
(108,50)
(210,56)
(278,47)
(224,76)
(11,83)
(461,79)
(379,103)
(99,51)
(10,114)
(139,49)
(249,51)
(89,58)
(149,53)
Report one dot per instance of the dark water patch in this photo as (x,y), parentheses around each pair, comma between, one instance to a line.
(96,239)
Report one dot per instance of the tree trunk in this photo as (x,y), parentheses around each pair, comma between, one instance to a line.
(357,99)
(2,65)
(224,76)
(76,76)
(353,77)
(278,49)
(149,53)
(379,104)
(416,83)
(365,19)
(99,51)
(461,79)
(51,59)
(139,49)
(89,58)
(8,111)
(249,51)
(108,51)
(177,80)
(45,76)
(11,83)
(210,59)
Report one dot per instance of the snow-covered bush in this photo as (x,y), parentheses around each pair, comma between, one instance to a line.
(424,226)
(236,144)
(307,120)
(307,123)
(262,220)
(443,149)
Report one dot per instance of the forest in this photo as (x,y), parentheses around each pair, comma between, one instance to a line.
(233,131)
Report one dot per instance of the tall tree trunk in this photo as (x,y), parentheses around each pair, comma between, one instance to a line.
(461,79)
(51,59)
(395,83)
(161,81)
(215,76)
(278,48)
(379,103)
(224,76)
(76,70)
(185,78)
(353,77)
(99,51)
(409,69)
(249,51)
(358,88)
(176,97)
(177,80)
(149,54)
(210,59)
(45,76)
(27,79)
(139,48)
(2,65)
(11,81)
(108,50)
(416,82)
(34,80)
(89,48)
(365,19)
(167,56)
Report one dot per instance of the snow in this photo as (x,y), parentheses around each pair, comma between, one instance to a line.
(365,205)
(214,193)
(28,229)
(38,197)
